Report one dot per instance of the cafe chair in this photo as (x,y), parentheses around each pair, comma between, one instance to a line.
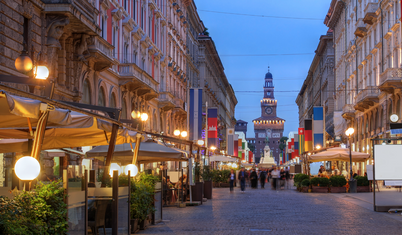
(99,218)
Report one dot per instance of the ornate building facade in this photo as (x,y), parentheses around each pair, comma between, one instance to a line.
(367,67)
(269,127)
(317,87)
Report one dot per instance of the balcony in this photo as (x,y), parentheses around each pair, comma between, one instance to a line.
(180,106)
(370,16)
(361,30)
(348,112)
(102,52)
(390,80)
(137,79)
(166,101)
(82,14)
(366,98)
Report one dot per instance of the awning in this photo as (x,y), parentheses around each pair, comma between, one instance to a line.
(221,158)
(15,111)
(338,154)
(148,152)
(266,165)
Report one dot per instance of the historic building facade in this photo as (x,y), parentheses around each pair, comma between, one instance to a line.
(269,127)
(367,67)
(318,86)
(217,90)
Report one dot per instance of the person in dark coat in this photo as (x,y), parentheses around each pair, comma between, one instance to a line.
(242,178)
(263,177)
(253,179)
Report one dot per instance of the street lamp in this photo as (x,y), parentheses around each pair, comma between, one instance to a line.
(349,132)
(132,168)
(114,167)
(41,72)
(200,142)
(317,146)
(183,134)
(213,148)
(27,169)
(23,63)
(176,132)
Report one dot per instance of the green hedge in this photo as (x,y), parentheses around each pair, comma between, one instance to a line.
(338,181)
(305,183)
(362,181)
(39,211)
(322,182)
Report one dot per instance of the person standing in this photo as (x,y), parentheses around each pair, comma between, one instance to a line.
(283,178)
(263,178)
(275,177)
(231,179)
(242,178)
(254,179)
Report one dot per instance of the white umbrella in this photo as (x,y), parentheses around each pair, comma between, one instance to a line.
(338,154)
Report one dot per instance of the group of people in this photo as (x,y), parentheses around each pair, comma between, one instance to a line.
(274,175)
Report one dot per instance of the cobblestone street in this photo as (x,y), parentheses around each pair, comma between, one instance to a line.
(264,211)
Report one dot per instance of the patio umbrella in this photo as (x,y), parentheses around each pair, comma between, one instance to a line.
(221,158)
(338,154)
(148,152)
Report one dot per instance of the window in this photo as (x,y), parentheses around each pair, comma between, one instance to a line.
(134,6)
(124,109)
(101,97)
(112,101)
(134,57)
(86,92)
(142,17)
(114,43)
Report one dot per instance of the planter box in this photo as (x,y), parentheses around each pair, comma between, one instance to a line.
(304,190)
(197,191)
(208,189)
(134,225)
(215,184)
(317,189)
(363,189)
(225,185)
(338,189)
(144,224)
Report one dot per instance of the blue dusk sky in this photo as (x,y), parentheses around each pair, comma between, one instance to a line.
(247,45)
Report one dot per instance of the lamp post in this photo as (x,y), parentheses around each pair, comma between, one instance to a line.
(352,183)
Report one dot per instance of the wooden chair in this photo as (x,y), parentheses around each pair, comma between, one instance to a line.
(99,218)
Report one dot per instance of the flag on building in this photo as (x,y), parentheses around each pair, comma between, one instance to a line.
(213,127)
(318,126)
(301,140)
(240,148)
(243,150)
(236,146)
(296,146)
(230,141)
(195,119)
(308,135)
(250,157)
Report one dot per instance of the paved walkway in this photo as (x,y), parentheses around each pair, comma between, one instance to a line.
(265,211)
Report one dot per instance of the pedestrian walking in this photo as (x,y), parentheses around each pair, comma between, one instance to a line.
(254,179)
(263,178)
(283,178)
(232,177)
(242,178)
(287,178)
(275,173)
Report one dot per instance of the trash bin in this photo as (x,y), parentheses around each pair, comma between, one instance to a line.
(352,186)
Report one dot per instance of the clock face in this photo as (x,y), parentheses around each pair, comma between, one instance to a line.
(394,118)
(268,110)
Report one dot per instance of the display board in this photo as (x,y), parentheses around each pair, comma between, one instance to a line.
(388,162)
(369,169)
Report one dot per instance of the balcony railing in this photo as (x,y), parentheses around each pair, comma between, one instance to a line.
(391,79)
(348,111)
(136,73)
(361,30)
(370,15)
(366,98)
(102,51)
(166,101)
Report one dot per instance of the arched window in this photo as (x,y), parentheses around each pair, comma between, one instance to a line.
(101,97)
(124,109)
(86,92)
(112,101)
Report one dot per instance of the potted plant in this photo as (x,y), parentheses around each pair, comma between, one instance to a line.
(216,178)
(207,175)
(142,203)
(305,185)
(198,188)
(338,183)
(224,178)
(298,179)
(320,185)
(362,184)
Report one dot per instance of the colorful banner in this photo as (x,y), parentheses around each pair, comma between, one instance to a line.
(236,146)
(318,127)
(240,148)
(301,140)
(213,127)
(296,144)
(195,119)
(308,135)
(250,157)
(230,141)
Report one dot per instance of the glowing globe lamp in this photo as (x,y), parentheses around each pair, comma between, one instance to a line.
(176,132)
(144,117)
(23,63)
(234,165)
(184,134)
(132,168)
(114,167)
(27,168)
(42,72)
(200,142)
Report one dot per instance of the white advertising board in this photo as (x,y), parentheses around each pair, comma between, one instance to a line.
(369,169)
(388,162)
